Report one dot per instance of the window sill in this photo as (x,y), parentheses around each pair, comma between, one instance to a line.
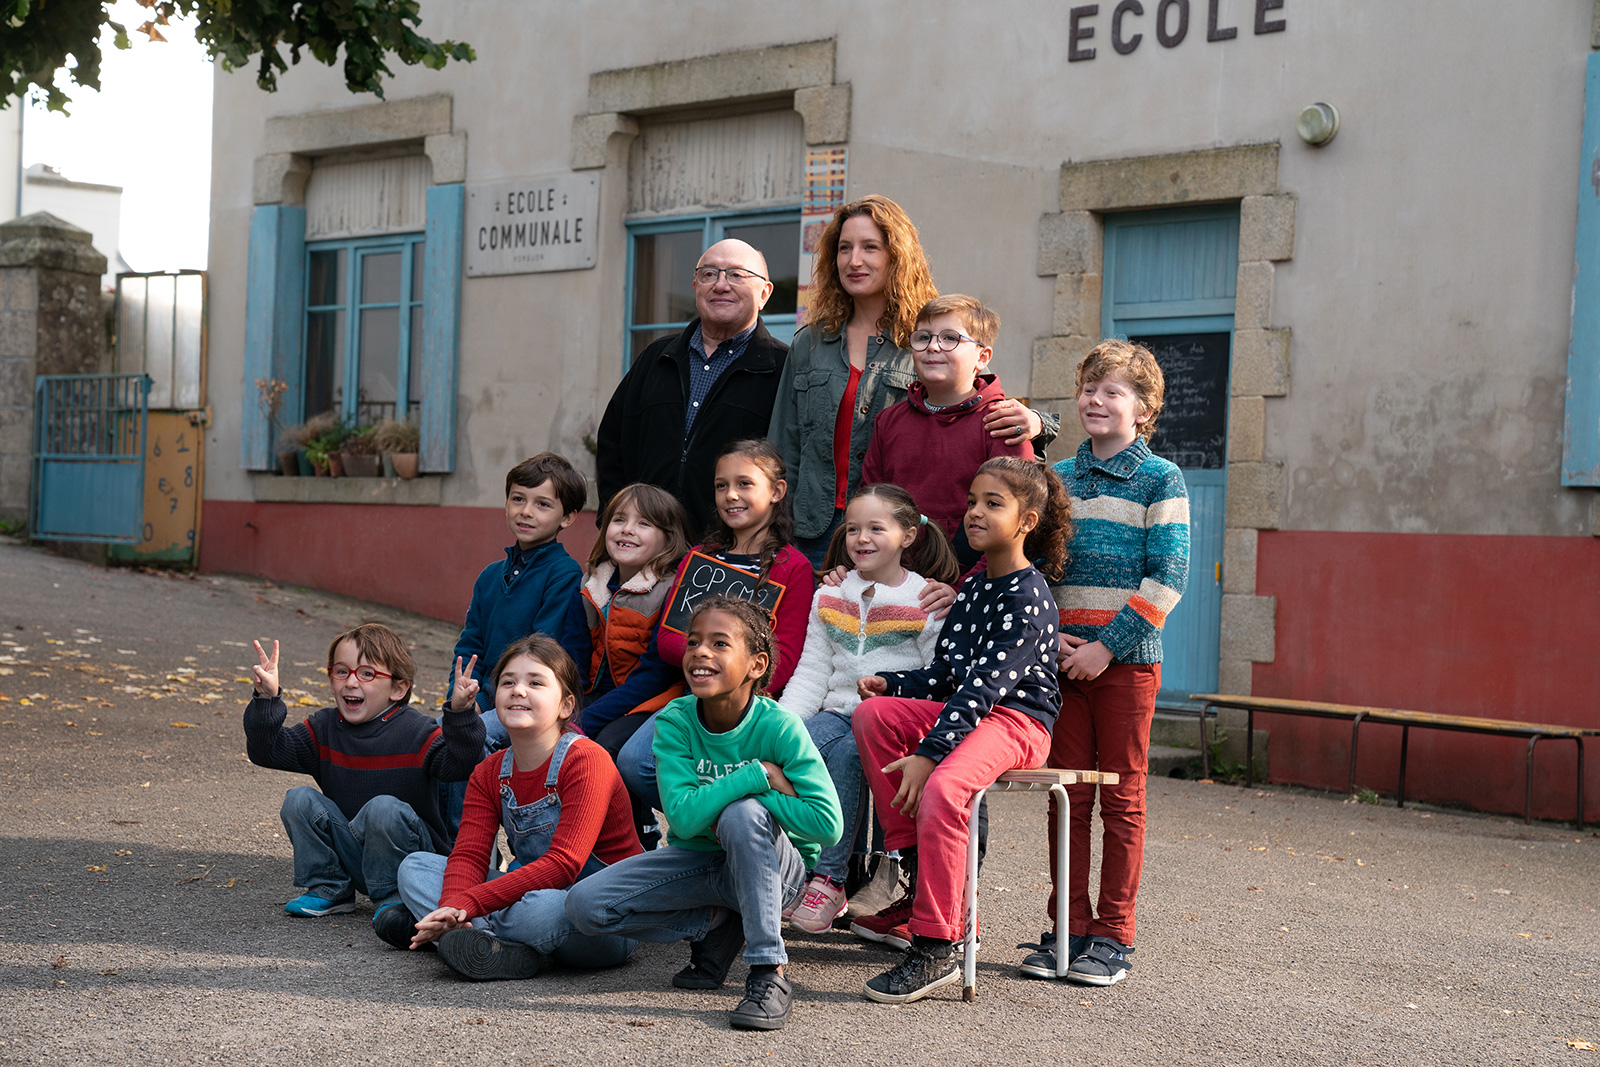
(277,489)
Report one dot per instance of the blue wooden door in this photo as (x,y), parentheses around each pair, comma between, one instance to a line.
(88,457)
(1169,284)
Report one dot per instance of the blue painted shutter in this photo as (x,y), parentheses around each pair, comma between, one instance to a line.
(441,325)
(274,307)
(1580,451)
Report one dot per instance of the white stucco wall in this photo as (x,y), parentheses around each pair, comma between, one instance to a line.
(1428,294)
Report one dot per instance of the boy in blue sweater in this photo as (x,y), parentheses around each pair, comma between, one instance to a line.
(528,591)
(1127,567)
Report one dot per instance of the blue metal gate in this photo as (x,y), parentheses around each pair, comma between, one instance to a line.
(1169,285)
(88,456)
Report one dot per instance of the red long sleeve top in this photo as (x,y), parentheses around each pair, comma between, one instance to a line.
(596,818)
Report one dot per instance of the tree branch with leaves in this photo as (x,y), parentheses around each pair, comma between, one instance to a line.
(40,37)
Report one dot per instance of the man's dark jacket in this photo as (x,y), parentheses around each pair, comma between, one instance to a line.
(641,435)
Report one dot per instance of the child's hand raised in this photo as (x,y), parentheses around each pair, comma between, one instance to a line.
(265,673)
(437,923)
(914,771)
(872,686)
(464,694)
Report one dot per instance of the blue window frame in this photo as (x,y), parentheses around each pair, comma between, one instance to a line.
(661,258)
(363,325)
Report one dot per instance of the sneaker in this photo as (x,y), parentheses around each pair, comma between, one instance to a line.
(394,924)
(768,1000)
(821,903)
(878,927)
(889,882)
(314,906)
(1041,962)
(712,955)
(924,968)
(479,955)
(1103,962)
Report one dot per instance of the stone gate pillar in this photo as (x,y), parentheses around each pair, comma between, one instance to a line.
(52,321)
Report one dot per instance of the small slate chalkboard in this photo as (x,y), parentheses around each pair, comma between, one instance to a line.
(705,577)
(1192,430)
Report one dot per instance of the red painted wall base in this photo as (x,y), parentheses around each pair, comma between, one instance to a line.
(1500,627)
(421,559)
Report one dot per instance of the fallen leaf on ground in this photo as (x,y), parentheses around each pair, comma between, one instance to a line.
(196,878)
(1524,935)
(93,867)
(123,852)
(648,1022)
(109,971)
(1584,1046)
(190,725)
(59,962)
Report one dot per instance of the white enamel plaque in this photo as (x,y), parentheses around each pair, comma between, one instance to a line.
(525,225)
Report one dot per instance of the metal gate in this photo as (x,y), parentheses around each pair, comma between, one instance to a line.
(88,456)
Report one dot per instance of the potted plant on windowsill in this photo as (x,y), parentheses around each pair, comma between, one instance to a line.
(359,454)
(322,436)
(270,392)
(399,442)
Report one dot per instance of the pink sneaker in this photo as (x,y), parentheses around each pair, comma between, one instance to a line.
(820,904)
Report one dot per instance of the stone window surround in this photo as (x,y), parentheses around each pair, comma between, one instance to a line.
(801,74)
(1071,247)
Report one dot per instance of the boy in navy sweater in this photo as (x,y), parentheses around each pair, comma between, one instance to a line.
(377,762)
(528,591)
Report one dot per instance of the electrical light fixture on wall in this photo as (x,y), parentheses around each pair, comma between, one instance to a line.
(1317,124)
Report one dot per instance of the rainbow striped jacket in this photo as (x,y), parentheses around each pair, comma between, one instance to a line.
(1128,561)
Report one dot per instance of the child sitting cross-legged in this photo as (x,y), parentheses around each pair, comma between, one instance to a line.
(931,738)
(748,806)
(377,763)
(871,621)
(565,813)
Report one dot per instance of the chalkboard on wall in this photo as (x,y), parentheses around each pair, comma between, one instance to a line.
(704,578)
(1193,428)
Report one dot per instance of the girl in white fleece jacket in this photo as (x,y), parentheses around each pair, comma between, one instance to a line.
(870,622)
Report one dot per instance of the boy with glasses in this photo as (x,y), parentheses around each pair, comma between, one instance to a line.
(932,443)
(377,763)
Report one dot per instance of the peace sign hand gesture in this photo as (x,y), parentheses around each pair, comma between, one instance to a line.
(464,694)
(266,672)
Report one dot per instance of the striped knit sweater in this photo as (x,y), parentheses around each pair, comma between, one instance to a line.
(847,638)
(1129,558)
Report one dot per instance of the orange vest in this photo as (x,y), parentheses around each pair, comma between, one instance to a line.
(620,635)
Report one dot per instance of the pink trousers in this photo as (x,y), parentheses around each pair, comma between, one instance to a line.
(888,728)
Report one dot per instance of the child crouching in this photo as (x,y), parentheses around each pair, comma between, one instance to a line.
(377,763)
(566,815)
(748,804)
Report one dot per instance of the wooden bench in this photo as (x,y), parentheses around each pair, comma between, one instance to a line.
(1356,715)
(1056,781)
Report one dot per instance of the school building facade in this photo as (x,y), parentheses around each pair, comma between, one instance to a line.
(1382,349)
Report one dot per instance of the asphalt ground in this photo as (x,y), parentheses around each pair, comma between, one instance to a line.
(144,872)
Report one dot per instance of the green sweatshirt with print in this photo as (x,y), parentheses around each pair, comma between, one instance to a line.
(699,773)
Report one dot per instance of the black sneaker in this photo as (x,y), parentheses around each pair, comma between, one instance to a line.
(481,956)
(1104,962)
(1041,962)
(768,999)
(394,925)
(924,968)
(712,955)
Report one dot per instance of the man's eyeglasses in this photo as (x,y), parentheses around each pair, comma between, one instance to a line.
(365,674)
(736,275)
(943,341)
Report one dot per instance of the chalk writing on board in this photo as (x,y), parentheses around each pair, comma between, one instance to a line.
(705,577)
(1193,426)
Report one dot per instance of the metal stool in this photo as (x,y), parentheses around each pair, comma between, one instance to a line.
(1043,778)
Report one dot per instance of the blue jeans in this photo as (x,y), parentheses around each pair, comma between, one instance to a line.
(636,762)
(669,894)
(830,732)
(815,549)
(332,853)
(538,920)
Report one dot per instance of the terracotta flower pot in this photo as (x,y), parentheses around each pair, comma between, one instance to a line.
(320,469)
(405,463)
(289,463)
(336,464)
(359,464)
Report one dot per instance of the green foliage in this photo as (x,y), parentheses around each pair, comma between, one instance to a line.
(1365,796)
(14,527)
(39,37)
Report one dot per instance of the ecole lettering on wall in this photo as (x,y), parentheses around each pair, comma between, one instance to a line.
(525,225)
(1170,25)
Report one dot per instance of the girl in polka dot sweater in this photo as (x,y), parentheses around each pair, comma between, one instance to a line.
(930,739)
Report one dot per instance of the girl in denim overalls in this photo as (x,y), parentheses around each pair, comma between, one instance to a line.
(566,814)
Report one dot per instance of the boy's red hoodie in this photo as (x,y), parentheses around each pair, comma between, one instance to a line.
(933,454)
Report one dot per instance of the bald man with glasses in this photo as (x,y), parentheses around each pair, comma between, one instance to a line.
(687,396)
